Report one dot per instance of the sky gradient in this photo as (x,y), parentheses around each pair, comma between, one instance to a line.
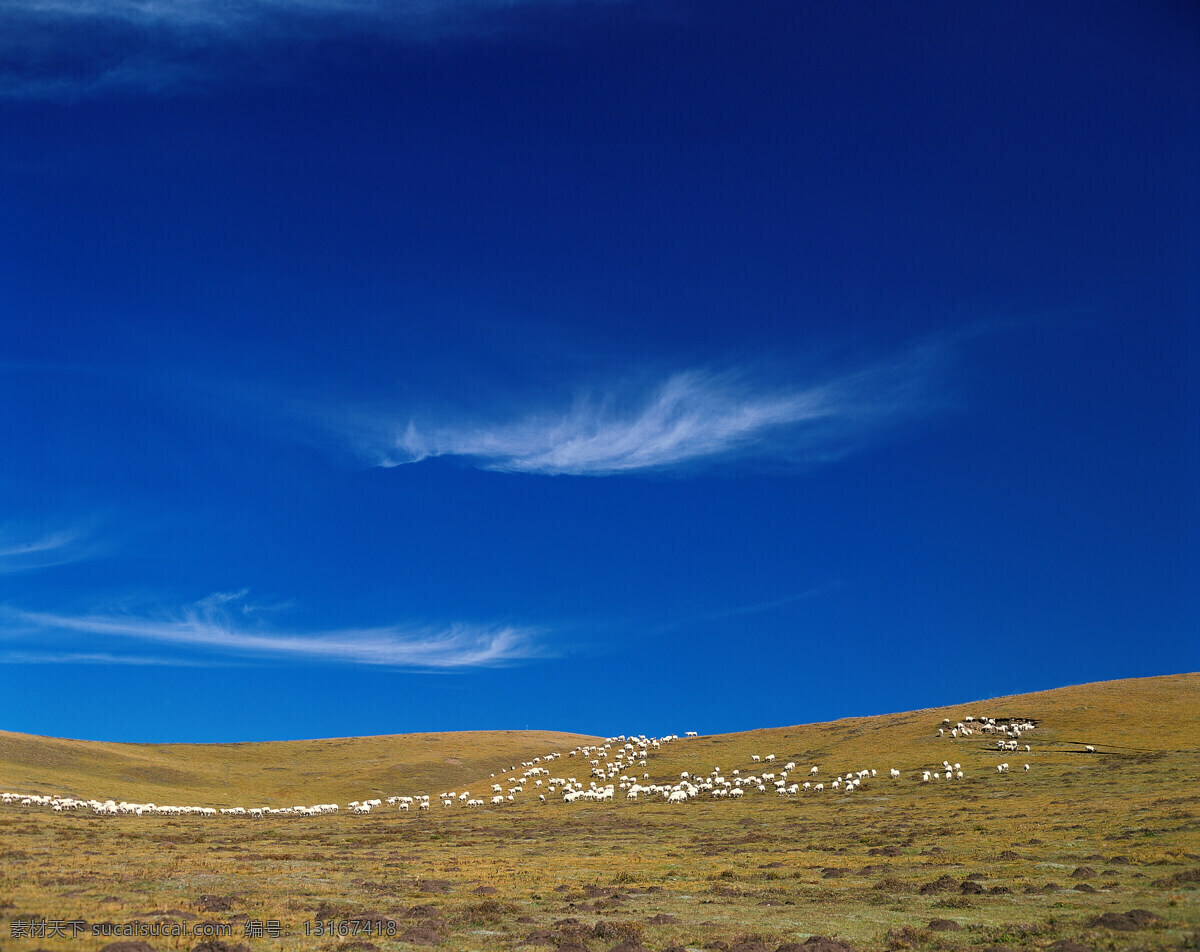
(600,366)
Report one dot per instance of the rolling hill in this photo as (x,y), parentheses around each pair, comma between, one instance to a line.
(1129,717)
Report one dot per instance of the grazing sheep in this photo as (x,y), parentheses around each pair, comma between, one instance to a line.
(609,760)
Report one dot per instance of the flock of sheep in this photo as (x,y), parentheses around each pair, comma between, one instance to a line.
(612,766)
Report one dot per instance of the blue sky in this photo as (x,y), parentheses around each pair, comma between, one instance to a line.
(601,366)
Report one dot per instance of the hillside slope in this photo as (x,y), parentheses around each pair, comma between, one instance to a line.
(1127,718)
(1096,848)
(1130,717)
(278,773)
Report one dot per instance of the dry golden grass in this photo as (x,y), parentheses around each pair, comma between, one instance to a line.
(275,774)
(875,868)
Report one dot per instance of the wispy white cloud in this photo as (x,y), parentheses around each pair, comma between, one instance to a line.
(209,625)
(65,49)
(239,14)
(54,542)
(687,418)
(22,551)
(759,607)
(90,658)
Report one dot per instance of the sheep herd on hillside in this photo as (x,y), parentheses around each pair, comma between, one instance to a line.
(616,765)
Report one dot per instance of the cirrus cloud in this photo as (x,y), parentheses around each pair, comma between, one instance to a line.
(69,49)
(686,419)
(212,627)
(21,550)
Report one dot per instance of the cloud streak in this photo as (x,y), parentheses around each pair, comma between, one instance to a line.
(67,49)
(92,658)
(22,553)
(687,419)
(209,625)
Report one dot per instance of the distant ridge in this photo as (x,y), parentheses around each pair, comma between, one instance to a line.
(1128,715)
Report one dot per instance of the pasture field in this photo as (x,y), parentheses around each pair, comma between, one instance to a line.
(1056,858)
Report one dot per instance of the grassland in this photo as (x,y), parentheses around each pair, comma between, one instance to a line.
(1036,860)
(277,774)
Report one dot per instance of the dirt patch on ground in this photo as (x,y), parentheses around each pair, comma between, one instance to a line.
(212,903)
(1129,921)
(824,943)
(627,933)
(1189,877)
(371,920)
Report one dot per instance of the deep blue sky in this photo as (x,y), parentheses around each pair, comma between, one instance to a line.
(601,366)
